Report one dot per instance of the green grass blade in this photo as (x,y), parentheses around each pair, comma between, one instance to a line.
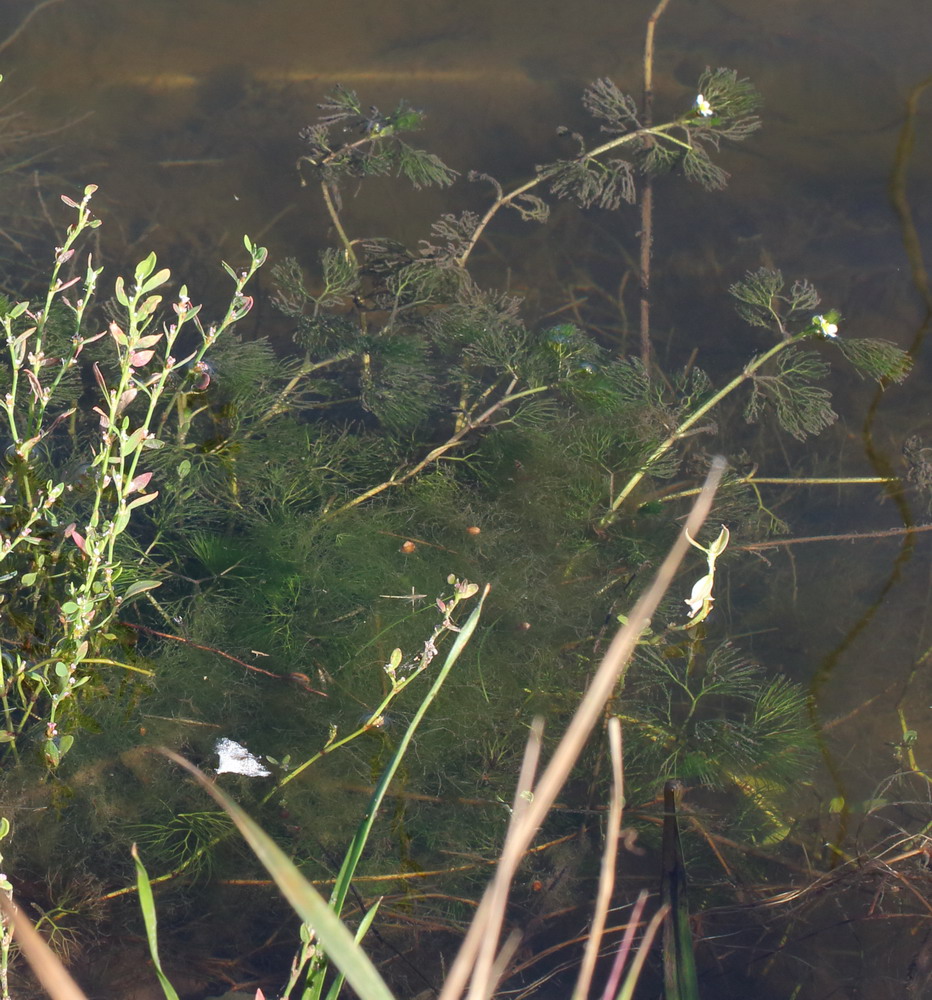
(679,961)
(354,852)
(364,926)
(358,844)
(310,906)
(147,905)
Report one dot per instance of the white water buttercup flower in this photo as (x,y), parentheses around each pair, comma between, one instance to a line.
(701,599)
(826,327)
(703,106)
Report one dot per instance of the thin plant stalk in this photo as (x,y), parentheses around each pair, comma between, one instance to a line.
(593,154)
(640,957)
(357,846)
(624,947)
(609,859)
(647,189)
(484,981)
(435,454)
(694,417)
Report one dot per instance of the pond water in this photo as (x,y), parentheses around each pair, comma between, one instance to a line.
(187,117)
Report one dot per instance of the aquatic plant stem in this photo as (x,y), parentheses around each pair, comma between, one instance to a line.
(647,189)
(592,154)
(848,536)
(680,432)
(751,480)
(337,224)
(280,405)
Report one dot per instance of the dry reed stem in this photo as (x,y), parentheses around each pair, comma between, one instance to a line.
(483,981)
(574,739)
(609,859)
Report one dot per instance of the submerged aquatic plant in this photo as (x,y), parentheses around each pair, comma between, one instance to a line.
(307,505)
(715,719)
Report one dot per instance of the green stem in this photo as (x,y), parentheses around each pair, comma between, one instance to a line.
(753,480)
(337,224)
(659,131)
(691,420)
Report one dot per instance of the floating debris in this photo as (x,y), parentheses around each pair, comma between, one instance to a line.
(236,759)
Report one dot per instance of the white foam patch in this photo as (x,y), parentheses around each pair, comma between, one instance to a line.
(236,759)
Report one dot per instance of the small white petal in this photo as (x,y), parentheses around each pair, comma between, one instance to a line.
(702,592)
(826,328)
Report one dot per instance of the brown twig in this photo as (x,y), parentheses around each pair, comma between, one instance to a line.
(302,680)
(852,536)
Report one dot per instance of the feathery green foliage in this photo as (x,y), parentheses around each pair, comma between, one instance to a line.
(715,718)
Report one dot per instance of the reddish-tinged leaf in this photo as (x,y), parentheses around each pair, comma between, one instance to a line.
(104,419)
(150,340)
(139,358)
(76,536)
(125,400)
(118,335)
(60,419)
(99,375)
(69,202)
(140,482)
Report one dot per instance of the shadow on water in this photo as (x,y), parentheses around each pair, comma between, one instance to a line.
(196,111)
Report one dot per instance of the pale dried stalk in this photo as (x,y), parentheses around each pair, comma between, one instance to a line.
(483,980)
(571,745)
(609,859)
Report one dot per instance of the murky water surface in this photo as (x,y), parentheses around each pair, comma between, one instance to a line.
(187,115)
